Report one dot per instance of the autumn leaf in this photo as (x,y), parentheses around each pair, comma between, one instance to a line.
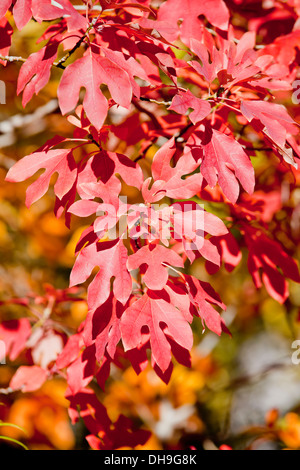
(53,161)
(154,311)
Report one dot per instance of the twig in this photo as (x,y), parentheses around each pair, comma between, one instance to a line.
(146,111)
(12,58)
(83,8)
(6,391)
(140,157)
(91,138)
(150,100)
(20,120)
(248,379)
(257,149)
(183,131)
(9,126)
(60,63)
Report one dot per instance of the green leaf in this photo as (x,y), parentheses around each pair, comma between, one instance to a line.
(10,439)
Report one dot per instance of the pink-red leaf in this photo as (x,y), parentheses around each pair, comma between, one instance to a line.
(6,32)
(173,183)
(22,13)
(222,160)
(4,6)
(45,10)
(54,161)
(90,72)
(183,101)
(162,320)
(35,72)
(274,117)
(188,12)
(202,296)
(190,224)
(153,256)
(82,370)
(15,334)
(28,378)
(111,257)
(102,328)
(266,259)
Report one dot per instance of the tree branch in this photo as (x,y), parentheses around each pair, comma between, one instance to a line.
(32,123)
(60,63)
(146,111)
(150,100)
(83,8)
(12,58)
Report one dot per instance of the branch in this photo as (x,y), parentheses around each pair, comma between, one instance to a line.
(150,100)
(91,138)
(261,149)
(6,391)
(12,58)
(146,111)
(20,121)
(60,63)
(183,131)
(83,8)
(140,157)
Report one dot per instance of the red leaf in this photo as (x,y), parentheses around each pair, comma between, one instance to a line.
(229,250)
(81,372)
(90,72)
(153,312)
(111,435)
(185,100)
(6,32)
(173,185)
(172,11)
(5,4)
(28,378)
(15,334)
(130,66)
(53,161)
(156,275)
(268,256)
(22,13)
(35,72)
(277,123)
(70,352)
(229,62)
(102,328)
(111,258)
(222,160)
(98,178)
(45,10)
(94,414)
(202,296)
(191,223)
(103,372)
